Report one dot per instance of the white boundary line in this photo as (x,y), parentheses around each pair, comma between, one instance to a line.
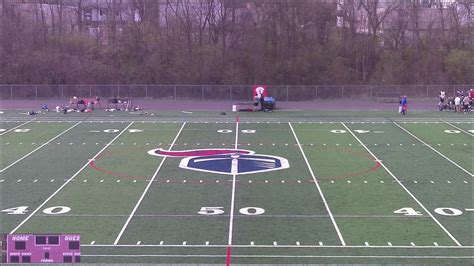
(234,175)
(470,134)
(442,155)
(69,180)
(318,187)
(11,129)
(44,144)
(227,121)
(146,189)
(278,246)
(283,256)
(408,191)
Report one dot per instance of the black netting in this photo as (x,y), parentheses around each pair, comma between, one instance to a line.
(104,91)
(301,93)
(5,92)
(241,93)
(328,92)
(50,92)
(216,92)
(189,92)
(80,91)
(24,92)
(133,91)
(166,92)
(354,92)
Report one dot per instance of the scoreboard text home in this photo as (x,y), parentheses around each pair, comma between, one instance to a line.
(44,248)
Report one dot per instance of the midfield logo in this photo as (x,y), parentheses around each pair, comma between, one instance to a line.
(225,161)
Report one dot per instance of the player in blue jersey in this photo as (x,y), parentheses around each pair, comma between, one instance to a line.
(404,105)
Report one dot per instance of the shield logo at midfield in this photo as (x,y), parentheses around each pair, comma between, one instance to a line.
(225,161)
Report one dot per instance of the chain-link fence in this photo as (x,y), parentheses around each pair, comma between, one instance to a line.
(225,92)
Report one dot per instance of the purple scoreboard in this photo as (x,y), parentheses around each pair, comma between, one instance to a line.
(44,248)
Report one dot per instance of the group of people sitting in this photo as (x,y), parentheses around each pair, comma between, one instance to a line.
(87,105)
(84,104)
(461,102)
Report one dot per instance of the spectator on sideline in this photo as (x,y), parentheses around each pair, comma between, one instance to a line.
(73,101)
(442,95)
(457,103)
(466,102)
(471,95)
(260,97)
(404,104)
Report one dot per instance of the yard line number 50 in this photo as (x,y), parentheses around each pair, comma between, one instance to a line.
(219,210)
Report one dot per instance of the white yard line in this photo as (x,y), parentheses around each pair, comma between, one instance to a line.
(280,256)
(316,183)
(44,144)
(146,189)
(234,174)
(279,246)
(400,183)
(460,129)
(11,129)
(442,155)
(69,180)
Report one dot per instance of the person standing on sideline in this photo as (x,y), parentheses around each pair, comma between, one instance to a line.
(457,103)
(471,96)
(404,105)
(260,97)
(466,101)
(441,105)
(400,108)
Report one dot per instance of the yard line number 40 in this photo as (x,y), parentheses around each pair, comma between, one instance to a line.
(408,211)
(50,210)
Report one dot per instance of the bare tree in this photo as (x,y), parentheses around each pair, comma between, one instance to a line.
(182,11)
(80,14)
(44,28)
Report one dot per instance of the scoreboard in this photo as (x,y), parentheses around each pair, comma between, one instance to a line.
(41,248)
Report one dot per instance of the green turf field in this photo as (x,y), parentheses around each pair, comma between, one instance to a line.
(372,188)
